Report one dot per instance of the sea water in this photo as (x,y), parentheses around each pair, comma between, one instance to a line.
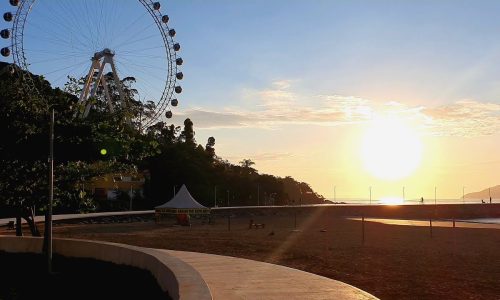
(400,201)
(483,220)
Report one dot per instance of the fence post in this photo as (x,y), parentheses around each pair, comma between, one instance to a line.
(430,226)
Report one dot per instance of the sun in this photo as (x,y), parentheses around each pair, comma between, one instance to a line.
(390,149)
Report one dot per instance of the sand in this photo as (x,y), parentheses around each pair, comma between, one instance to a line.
(395,262)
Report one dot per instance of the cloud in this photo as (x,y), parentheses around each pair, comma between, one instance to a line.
(209,119)
(464,118)
(266,156)
(271,156)
(280,105)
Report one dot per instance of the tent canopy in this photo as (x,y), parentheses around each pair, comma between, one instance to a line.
(182,202)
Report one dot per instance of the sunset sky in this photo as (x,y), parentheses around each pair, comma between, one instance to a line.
(348,93)
(295,86)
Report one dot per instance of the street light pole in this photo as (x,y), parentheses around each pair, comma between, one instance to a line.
(463,194)
(370,195)
(51,193)
(435,199)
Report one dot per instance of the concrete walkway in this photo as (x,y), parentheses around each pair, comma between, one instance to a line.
(4,222)
(236,278)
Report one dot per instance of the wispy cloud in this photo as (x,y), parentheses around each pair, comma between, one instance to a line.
(464,118)
(280,104)
(266,156)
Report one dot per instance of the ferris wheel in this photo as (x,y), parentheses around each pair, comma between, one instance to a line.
(112,53)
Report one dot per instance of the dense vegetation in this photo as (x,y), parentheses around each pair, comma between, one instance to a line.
(170,154)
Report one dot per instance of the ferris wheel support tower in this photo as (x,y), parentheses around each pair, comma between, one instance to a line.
(99,61)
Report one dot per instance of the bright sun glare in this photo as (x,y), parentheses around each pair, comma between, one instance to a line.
(390,149)
(391,200)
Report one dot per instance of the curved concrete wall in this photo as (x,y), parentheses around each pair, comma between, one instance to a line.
(173,275)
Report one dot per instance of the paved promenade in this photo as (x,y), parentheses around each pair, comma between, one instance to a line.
(236,278)
(82,216)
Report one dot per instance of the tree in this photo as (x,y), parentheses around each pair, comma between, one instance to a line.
(172,156)
(246,163)
(24,149)
(187,135)
(210,147)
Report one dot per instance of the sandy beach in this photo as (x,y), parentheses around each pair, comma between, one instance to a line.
(395,262)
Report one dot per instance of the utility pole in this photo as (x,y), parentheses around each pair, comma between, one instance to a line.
(51,193)
(435,199)
(370,195)
(463,194)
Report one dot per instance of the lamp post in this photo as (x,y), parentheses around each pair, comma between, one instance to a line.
(370,195)
(463,194)
(435,199)
(51,193)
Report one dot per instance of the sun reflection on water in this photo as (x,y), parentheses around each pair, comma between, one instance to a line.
(391,200)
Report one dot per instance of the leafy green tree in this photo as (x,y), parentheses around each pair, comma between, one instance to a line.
(24,149)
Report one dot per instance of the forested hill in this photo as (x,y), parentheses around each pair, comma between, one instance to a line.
(171,154)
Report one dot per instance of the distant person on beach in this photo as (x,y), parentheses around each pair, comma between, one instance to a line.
(482,201)
(422,200)
(490,200)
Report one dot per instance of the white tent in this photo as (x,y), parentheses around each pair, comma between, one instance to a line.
(182,203)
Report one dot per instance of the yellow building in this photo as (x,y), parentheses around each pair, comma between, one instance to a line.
(105,187)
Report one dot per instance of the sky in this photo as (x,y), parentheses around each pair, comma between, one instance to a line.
(390,95)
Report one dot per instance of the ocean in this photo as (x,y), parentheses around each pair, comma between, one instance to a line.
(400,201)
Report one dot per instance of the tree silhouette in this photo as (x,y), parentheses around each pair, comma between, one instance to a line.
(172,156)
(187,135)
